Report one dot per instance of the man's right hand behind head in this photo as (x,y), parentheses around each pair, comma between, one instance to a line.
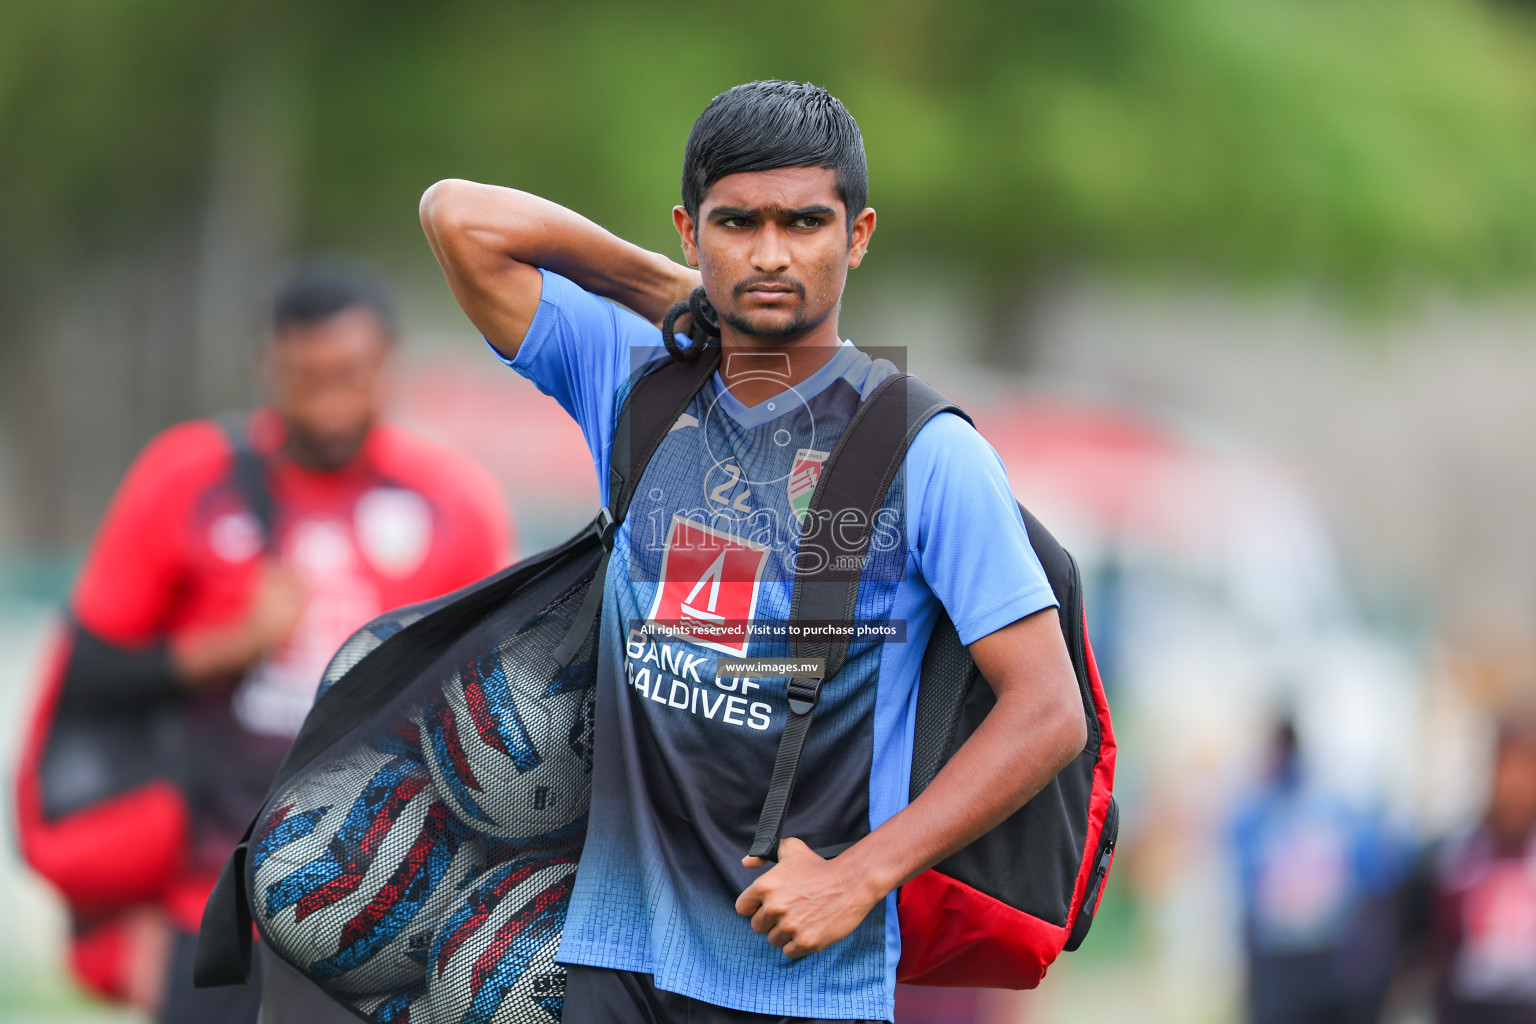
(492,242)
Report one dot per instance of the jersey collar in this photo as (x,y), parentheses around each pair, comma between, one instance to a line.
(843,360)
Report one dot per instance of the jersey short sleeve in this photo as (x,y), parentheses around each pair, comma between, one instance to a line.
(479,536)
(496,536)
(966,533)
(579,350)
(135,563)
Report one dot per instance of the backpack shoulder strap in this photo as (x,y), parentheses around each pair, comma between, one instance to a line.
(856,476)
(653,405)
(250,473)
(655,402)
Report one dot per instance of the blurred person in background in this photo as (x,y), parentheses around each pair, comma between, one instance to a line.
(1318,881)
(199,607)
(1476,905)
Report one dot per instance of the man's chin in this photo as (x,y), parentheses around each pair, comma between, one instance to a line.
(768,328)
(324,455)
(330,461)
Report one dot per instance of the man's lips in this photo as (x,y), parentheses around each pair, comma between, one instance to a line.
(770,293)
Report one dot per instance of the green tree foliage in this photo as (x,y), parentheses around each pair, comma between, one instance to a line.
(1356,142)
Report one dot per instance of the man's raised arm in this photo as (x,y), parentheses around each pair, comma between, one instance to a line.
(493,241)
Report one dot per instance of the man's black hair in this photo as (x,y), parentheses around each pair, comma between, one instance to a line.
(762,126)
(315,292)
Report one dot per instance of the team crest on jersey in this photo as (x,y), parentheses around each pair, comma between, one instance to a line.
(394,526)
(709,585)
(803,477)
(235,537)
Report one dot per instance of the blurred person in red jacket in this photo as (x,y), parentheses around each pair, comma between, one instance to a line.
(1480,889)
(233,561)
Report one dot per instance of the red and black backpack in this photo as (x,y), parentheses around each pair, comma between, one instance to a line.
(101,810)
(995,914)
(998,912)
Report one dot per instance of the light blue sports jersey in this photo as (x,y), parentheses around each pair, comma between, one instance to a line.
(683,756)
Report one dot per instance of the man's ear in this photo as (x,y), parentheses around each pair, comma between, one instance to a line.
(683,221)
(858,244)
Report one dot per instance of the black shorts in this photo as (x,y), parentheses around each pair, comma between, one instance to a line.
(598,995)
(182,1004)
(288,997)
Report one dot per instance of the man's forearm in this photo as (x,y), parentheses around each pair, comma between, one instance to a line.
(1033,731)
(1012,755)
(201,657)
(470,226)
(106,673)
(805,903)
(1037,726)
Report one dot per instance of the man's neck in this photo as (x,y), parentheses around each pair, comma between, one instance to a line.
(757,369)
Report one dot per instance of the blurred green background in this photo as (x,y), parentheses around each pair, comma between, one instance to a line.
(160,157)
(1304,232)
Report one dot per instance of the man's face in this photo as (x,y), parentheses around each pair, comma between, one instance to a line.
(323,379)
(1512,807)
(774,249)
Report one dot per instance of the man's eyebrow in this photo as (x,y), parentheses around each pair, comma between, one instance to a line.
(727,212)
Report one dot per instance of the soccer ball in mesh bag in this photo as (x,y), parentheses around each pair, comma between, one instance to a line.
(401,737)
(493,958)
(363,643)
(353,869)
(563,842)
(510,749)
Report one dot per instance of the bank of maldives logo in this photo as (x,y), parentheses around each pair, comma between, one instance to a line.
(709,586)
(803,477)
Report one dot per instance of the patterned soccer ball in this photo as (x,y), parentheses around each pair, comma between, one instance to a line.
(363,643)
(509,751)
(493,959)
(400,737)
(354,868)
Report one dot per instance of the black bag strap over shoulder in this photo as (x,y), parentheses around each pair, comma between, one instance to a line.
(656,401)
(250,475)
(856,476)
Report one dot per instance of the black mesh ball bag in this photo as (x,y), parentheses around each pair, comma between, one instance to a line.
(415,856)
(414,859)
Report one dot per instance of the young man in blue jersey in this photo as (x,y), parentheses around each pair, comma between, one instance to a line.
(668,920)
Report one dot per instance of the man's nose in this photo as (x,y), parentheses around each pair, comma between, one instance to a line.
(771,254)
